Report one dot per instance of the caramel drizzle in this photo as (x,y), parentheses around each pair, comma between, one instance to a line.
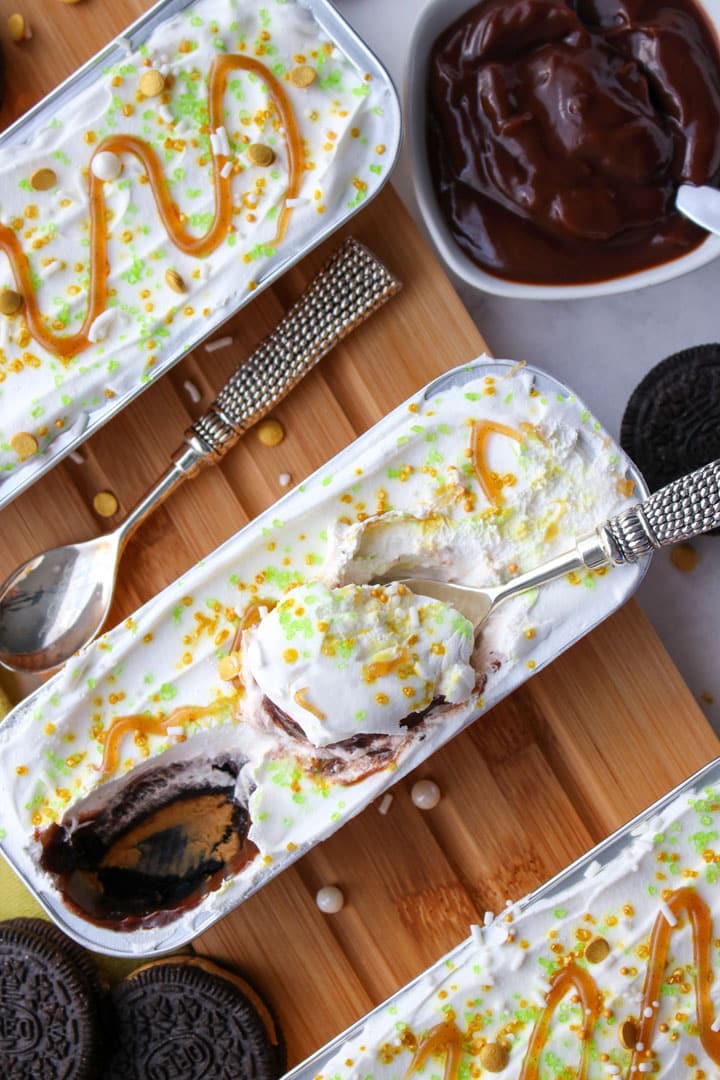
(67,346)
(687,900)
(135,724)
(444,1038)
(481,432)
(300,698)
(570,977)
(380,668)
(447,1038)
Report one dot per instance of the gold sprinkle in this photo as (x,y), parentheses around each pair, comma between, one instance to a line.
(290,656)
(229,667)
(43,179)
(105,504)
(10,302)
(152,83)
(684,557)
(24,444)
(303,75)
(628,1034)
(259,154)
(175,281)
(494,1057)
(271,433)
(17,28)
(596,950)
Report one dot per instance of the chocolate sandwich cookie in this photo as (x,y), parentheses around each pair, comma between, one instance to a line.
(192,1018)
(671,424)
(52,935)
(48,1011)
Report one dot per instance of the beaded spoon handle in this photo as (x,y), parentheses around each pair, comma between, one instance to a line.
(57,602)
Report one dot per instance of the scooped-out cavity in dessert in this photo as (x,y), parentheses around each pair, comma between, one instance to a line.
(164,841)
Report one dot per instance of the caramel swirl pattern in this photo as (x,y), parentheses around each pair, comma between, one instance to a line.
(446,1038)
(65,347)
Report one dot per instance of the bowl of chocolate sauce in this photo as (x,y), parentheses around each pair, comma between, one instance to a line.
(549,138)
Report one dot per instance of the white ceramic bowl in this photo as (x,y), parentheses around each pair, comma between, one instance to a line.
(436,17)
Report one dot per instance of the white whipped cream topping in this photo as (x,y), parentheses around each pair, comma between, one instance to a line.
(343,130)
(341,662)
(495,985)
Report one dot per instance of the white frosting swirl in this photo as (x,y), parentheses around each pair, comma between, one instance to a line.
(359,660)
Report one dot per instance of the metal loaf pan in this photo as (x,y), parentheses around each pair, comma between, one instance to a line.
(603,853)
(66,690)
(32,122)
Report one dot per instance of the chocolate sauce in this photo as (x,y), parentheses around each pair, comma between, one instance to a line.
(377,750)
(559,133)
(155,850)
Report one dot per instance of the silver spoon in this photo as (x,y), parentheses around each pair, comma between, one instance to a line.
(701,204)
(57,602)
(686,507)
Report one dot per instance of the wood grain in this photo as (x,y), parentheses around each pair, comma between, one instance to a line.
(570,756)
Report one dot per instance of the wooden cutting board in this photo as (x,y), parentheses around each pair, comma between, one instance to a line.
(569,757)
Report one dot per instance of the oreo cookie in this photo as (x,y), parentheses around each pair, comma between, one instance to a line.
(48,1008)
(671,424)
(53,936)
(191,1018)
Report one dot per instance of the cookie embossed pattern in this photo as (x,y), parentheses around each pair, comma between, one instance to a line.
(152,195)
(608,970)
(210,715)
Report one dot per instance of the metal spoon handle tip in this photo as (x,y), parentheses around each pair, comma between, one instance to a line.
(682,509)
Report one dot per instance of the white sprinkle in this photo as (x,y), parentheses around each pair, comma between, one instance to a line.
(667,913)
(51,268)
(329,899)
(28,31)
(164,70)
(488,918)
(656,1004)
(223,142)
(425,794)
(640,1046)
(715,1026)
(613,1070)
(106,165)
(386,801)
(102,326)
(226,170)
(77,457)
(181,126)
(218,343)
(175,729)
(476,934)
(292,203)
(647,1011)
(165,113)
(284,481)
(645,1066)
(192,391)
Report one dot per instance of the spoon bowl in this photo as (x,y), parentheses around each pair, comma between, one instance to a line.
(55,602)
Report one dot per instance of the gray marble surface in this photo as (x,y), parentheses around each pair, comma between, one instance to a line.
(601,348)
